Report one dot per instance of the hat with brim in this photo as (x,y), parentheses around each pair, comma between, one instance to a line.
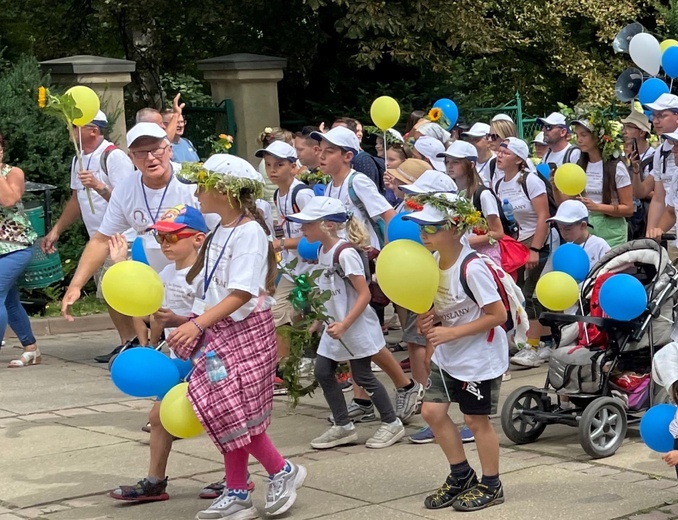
(672,136)
(570,212)
(226,165)
(585,123)
(339,136)
(279,150)
(409,170)
(320,208)
(663,102)
(430,215)
(180,217)
(431,181)
(140,130)
(639,120)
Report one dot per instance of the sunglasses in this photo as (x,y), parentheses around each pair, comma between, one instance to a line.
(431,229)
(172,238)
(493,137)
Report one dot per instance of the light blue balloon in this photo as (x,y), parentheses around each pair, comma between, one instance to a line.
(138,251)
(319,189)
(572,259)
(623,297)
(544,169)
(184,367)
(651,89)
(654,427)
(449,109)
(670,62)
(399,229)
(308,250)
(144,372)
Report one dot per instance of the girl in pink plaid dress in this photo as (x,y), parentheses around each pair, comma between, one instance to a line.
(234,321)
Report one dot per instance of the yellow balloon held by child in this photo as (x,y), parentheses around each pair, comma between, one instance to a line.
(385,112)
(408,274)
(177,415)
(132,288)
(557,291)
(88,103)
(570,179)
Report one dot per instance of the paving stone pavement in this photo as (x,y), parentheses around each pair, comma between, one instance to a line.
(67,436)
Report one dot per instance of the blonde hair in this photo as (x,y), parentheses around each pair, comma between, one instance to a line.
(504,129)
(356,233)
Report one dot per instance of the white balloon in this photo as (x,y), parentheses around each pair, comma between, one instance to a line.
(646,53)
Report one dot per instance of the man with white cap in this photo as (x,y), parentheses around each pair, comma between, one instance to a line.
(665,121)
(105,167)
(557,137)
(667,222)
(138,203)
(427,149)
(487,160)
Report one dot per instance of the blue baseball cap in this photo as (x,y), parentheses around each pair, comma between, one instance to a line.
(180,217)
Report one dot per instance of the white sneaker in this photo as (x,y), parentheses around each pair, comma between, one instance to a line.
(282,488)
(408,400)
(387,435)
(544,352)
(335,436)
(527,357)
(230,505)
(375,367)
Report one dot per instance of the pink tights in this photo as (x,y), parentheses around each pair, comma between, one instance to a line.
(262,449)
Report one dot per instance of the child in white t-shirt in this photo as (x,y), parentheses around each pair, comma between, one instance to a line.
(469,353)
(354,334)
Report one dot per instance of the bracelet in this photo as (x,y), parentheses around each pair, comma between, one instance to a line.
(192,320)
(535,249)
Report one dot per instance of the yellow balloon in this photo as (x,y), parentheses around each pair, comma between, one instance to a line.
(87,101)
(132,288)
(408,274)
(667,43)
(557,291)
(177,415)
(570,179)
(385,112)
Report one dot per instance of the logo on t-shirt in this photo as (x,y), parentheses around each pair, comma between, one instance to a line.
(139,217)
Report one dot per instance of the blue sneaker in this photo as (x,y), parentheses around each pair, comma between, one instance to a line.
(423,436)
(466,434)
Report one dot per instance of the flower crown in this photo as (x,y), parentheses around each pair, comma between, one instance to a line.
(225,184)
(461,213)
(607,131)
(390,138)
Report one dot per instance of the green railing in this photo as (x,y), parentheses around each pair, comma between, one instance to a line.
(204,124)
(527,126)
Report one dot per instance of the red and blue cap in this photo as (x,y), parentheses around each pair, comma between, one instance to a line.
(181,217)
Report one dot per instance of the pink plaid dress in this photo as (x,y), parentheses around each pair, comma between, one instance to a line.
(238,407)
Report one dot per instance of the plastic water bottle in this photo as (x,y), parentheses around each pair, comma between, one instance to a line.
(216,371)
(508,211)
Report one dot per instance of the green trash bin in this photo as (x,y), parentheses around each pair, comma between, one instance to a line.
(35,211)
(43,269)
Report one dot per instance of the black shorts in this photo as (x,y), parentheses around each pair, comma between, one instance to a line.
(474,397)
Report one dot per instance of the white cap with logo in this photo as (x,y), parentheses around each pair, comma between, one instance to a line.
(145,130)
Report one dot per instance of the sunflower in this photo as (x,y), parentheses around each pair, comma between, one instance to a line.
(435,115)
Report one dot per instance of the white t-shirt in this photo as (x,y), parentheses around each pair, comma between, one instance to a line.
(483,170)
(243,266)
(658,172)
(594,181)
(284,207)
(558,158)
(364,337)
(179,294)
(120,170)
(135,205)
(523,211)
(479,357)
(374,202)
(266,211)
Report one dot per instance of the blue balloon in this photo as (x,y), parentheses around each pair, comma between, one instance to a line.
(651,89)
(648,113)
(572,259)
(449,109)
(308,250)
(544,169)
(138,251)
(654,427)
(184,367)
(623,297)
(319,189)
(144,372)
(399,229)
(670,62)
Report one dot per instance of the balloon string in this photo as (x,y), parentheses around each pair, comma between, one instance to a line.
(586,329)
(671,86)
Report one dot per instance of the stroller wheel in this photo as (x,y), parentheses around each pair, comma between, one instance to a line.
(517,416)
(602,427)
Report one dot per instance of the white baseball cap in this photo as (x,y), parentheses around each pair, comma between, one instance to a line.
(663,102)
(431,181)
(339,136)
(554,119)
(569,212)
(430,147)
(279,150)
(518,147)
(672,136)
(539,139)
(460,150)
(227,165)
(502,117)
(478,130)
(397,135)
(585,123)
(321,208)
(430,214)
(100,120)
(145,130)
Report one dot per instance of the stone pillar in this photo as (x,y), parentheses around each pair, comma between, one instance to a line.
(106,76)
(251,82)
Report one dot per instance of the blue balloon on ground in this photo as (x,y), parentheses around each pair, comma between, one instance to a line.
(138,251)
(308,250)
(144,372)
(623,297)
(573,260)
(544,169)
(449,109)
(184,367)
(319,189)
(399,229)
(651,89)
(654,427)
(670,62)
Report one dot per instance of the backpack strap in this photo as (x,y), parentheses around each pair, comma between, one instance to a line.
(104,157)
(363,210)
(462,275)
(493,167)
(568,153)
(336,265)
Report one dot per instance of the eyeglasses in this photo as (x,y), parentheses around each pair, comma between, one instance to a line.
(143,154)
(172,238)
(492,137)
(431,229)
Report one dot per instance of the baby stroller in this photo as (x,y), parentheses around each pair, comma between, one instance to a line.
(607,382)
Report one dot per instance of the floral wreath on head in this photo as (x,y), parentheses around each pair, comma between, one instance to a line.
(461,213)
(223,183)
(607,131)
(390,138)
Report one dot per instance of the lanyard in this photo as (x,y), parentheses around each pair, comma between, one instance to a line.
(283,211)
(208,279)
(162,199)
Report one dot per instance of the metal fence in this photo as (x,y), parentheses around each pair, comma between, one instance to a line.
(204,124)
(527,126)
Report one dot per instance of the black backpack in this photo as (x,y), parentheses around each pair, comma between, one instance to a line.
(295,192)
(509,229)
(553,207)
